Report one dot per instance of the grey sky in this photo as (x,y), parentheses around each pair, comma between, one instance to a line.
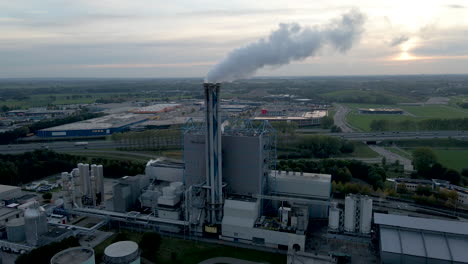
(182,38)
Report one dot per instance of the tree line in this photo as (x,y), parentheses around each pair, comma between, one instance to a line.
(31,166)
(427,124)
(312,146)
(427,167)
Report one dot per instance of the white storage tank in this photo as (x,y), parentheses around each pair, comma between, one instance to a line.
(74,255)
(350,213)
(366,215)
(334,218)
(178,186)
(168,191)
(35,221)
(15,230)
(123,252)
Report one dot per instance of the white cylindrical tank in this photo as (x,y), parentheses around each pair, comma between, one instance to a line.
(366,215)
(168,191)
(74,255)
(334,219)
(350,213)
(123,252)
(87,180)
(15,230)
(100,181)
(94,175)
(35,224)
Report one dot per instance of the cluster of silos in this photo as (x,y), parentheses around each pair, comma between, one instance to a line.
(28,228)
(123,252)
(91,184)
(357,215)
(75,255)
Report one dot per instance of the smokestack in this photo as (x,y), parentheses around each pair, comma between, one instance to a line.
(214,177)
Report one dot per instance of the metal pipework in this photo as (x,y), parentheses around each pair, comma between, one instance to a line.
(214,177)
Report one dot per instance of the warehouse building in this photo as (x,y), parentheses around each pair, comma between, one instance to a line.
(405,239)
(100,126)
(155,109)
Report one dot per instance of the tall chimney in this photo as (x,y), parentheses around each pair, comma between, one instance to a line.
(214,177)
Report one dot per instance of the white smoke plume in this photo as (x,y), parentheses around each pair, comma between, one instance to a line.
(290,42)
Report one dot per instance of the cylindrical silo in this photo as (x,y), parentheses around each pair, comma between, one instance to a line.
(15,230)
(100,182)
(123,252)
(87,180)
(94,176)
(350,213)
(74,255)
(35,221)
(334,219)
(366,215)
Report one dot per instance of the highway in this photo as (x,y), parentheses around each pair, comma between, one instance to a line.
(340,118)
(59,146)
(395,135)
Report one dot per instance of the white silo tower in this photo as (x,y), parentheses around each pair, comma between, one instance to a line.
(365,218)
(334,218)
(100,182)
(350,213)
(35,224)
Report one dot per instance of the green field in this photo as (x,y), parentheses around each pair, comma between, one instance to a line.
(453,158)
(414,113)
(193,252)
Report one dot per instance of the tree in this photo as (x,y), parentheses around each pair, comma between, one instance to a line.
(423,190)
(452,176)
(423,160)
(47,196)
(326,122)
(401,188)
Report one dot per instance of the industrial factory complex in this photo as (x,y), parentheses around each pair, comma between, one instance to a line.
(226,189)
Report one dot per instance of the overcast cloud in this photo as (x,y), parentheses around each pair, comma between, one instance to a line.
(185,38)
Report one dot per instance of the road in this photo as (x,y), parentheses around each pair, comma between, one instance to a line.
(59,146)
(340,118)
(392,157)
(395,135)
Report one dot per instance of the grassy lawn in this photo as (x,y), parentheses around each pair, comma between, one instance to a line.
(453,158)
(451,153)
(400,152)
(415,113)
(189,252)
(192,252)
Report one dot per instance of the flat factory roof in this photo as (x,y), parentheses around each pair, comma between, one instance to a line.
(6,188)
(104,122)
(417,223)
(326,178)
(155,108)
(426,244)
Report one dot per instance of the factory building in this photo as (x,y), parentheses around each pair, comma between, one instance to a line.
(8,192)
(405,239)
(381,111)
(305,119)
(101,126)
(127,191)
